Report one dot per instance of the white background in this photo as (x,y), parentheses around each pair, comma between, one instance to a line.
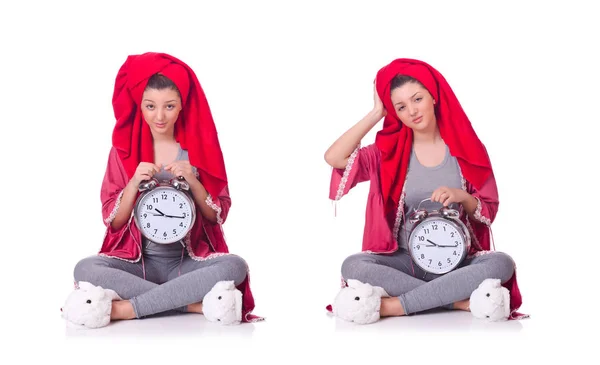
(284,80)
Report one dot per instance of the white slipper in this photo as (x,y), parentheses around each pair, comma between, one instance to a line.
(359,302)
(490,301)
(223,304)
(89,306)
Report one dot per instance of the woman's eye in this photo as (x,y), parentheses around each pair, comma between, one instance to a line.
(418,99)
(170,107)
(149,107)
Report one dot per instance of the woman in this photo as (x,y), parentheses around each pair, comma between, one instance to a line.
(164,129)
(426,149)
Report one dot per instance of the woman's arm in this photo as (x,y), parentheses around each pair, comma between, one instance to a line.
(214,211)
(144,171)
(337,154)
(200,197)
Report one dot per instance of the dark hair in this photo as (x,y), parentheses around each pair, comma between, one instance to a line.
(400,80)
(161,82)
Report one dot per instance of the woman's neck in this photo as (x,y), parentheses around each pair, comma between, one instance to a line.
(427,137)
(163,138)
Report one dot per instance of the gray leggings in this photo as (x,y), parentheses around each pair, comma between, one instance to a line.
(171,282)
(419,291)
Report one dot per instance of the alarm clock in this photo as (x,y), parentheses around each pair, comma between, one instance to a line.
(439,241)
(164,211)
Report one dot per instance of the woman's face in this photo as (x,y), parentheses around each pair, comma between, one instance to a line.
(160,109)
(414,106)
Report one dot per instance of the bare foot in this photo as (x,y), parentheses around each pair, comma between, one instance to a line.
(463,305)
(122,309)
(195,308)
(390,306)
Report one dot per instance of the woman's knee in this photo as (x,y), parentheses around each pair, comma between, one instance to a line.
(85,269)
(505,264)
(236,268)
(355,266)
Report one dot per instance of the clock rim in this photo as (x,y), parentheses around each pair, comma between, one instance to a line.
(164,187)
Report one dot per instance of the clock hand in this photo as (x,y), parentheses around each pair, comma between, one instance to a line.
(161,213)
(456,245)
(433,243)
(174,216)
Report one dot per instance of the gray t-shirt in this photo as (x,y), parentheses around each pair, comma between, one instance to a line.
(164,175)
(421,182)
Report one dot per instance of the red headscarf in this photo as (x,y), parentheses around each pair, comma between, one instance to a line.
(395,140)
(194,130)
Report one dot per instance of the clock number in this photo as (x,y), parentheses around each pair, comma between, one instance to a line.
(418,247)
(421,238)
(145,215)
(456,243)
(434,227)
(444,228)
(149,207)
(430,261)
(155,230)
(423,256)
(184,214)
(455,254)
(175,232)
(164,196)
(449,261)
(173,199)
(439,263)
(148,225)
(426,230)
(154,200)
(181,225)
(165,234)
(452,234)
(180,205)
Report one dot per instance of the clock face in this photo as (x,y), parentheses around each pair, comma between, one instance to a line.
(164,215)
(437,245)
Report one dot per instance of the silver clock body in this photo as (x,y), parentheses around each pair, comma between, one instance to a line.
(165,211)
(439,241)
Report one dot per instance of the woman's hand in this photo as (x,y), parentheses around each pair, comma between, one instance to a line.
(144,171)
(378,108)
(183,169)
(338,153)
(447,196)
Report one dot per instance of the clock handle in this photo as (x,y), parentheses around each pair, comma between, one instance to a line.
(419,206)
(446,212)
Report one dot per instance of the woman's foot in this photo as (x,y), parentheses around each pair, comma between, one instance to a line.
(463,305)
(122,309)
(391,307)
(195,308)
